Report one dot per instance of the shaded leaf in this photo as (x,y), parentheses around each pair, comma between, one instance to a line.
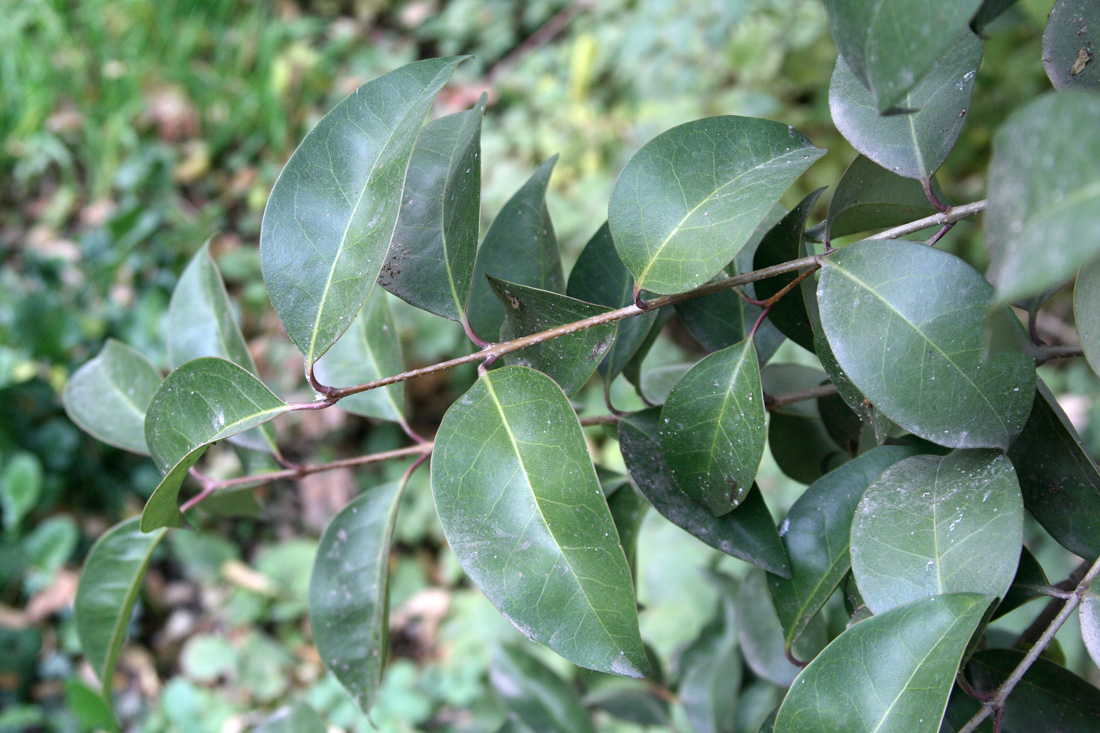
(332,212)
(722,319)
(629,700)
(1089,613)
(20,487)
(1030,582)
(761,634)
(633,368)
(92,712)
(162,508)
(689,200)
(869,415)
(1071,43)
(628,509)
(296,718)
(988,12)
(711,667)
(1086,312)
(540,698)
(870,197)
(797,437)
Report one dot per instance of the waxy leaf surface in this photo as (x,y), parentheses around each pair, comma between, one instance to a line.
(536,694)
(870,197)
(1071,43)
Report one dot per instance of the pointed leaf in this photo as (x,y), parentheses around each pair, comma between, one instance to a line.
(162,508)
(891,44)
(938,524)
(331,215)
(349,591)
(891,672)
(713,428)
(1044,194)
(532,691)
(108,396)
(916,351)
(913,143)
(431,259)
(519,247)
(870,197)
(797,437)
(691,197)
(711,667)
(761,634)
(523,512)
(815,534)
(109,587)
(1086,312)
(1071,43)
(371,349)
(568,360)
(747,533)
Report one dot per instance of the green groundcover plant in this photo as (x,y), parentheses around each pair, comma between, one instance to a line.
(923,438)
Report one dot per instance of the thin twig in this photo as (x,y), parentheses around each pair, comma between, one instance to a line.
(775,402)
(935,238)
(1043,354)
(950,216)
(599,420)
(932,197)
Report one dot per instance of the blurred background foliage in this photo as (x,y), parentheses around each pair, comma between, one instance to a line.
(133,130)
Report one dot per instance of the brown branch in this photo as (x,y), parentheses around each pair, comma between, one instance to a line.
(950,216)
(777,401)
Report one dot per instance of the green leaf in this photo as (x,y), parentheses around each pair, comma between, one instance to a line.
(331,215)
(915,351)
(568,360)
(371,349)
(868,414)
(20,487)
(891,44)
(162,508)
(519,247)
(1044,194)
(913,143)
(719,320)
(90,710)
(1071,43)
(296,718)
(109,587)
(870,197)
(204,401)
(797,437)
(938,524)
(691,197)
(1058,478)
(631,700)
(349,591)
(713,428)
(1089,613)
(524,514)
(1030,582)
(1086,312)
(628,508)
(891,672)
(711,667)
(539,697)
(201,323)
(988,12)
(747,533)
(633,368)
(761,634)
(431,259)
(107,397)
(816,537)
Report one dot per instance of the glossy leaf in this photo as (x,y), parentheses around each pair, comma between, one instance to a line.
(712,667)
(1089,613)
(797,437)
(296,718)
(331,215)
(890,45)
(870,197)
(108,396)
(519,247)
(691,197)
(938,524)
(1086,312)
(349,591)
(201,323)
(371,349)
(747,532)
(816,536)
(913,143)
(524,514)
(568,360)
(916,351)
(1044,194)
(109,587)
(1071,43)
(713,428)
(20,487)
(891,672)
(431,259)
(761,635)
(1059,479)
(535,694)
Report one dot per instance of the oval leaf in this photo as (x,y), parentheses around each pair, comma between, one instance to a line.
(691,197)
(713,428)
(331,215)
(523,511)
(938,524)
(109,587)
(533,692)
(20,487)
(891,672)
(915,351)
(108,396)
(1070,45)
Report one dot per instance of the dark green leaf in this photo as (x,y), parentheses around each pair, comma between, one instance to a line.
(629,700)
(1030,582)
(371,349)
(20,487)
(913,143)
(870,197)
(988,12)
(331,215)
(107,397)
(1089,613)
(568,360)
(869,415)
(296,718)
(891,44)
(712,428)
(711,667)
(1071,43)
(540,698)
(1059,480)
(748,532)
(1086,312)
(816,534)
(761,634)
(916,351)
(628,509)
(519,247)
(109,587)
(431,259)
(891,672)
(691,197)
(938,524)
(633,368)
(162,509)
(797,436)
(523,512)
(719,320)
(1044,194)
